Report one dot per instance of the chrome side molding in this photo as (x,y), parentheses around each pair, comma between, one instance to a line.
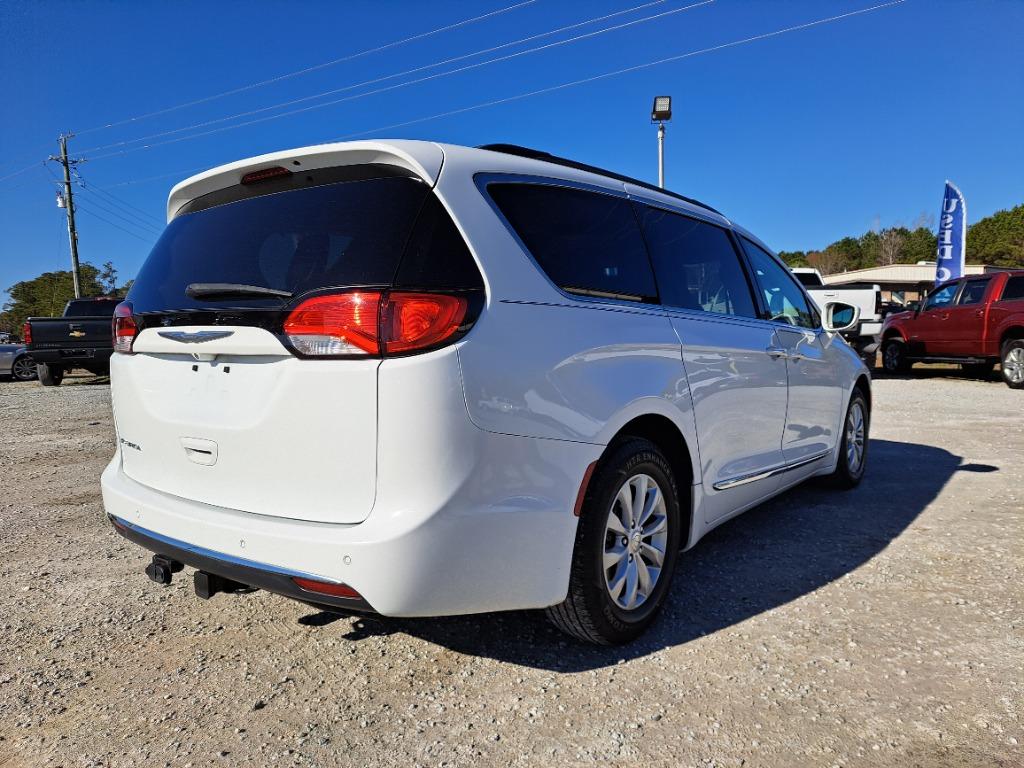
(733,482)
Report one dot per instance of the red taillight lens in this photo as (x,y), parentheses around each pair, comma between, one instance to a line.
(374,322)
(340,324)
(26,333)
(411,321)
(124,328)
(327,588)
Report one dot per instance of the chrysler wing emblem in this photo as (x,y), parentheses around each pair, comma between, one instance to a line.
(195,338)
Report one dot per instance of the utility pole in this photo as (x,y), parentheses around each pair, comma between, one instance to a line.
(67,202)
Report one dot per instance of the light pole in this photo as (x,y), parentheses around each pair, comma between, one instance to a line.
(661,113)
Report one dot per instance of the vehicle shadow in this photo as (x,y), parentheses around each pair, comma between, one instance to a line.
(775,553)
(939,372)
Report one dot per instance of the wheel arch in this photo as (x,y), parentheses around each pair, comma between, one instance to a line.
(666,434)
(894,332)
(863,383)
(1010,334)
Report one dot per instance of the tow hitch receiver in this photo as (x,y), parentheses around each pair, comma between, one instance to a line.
(161,568)
(209,584)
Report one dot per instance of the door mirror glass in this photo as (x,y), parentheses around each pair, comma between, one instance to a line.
(840,316)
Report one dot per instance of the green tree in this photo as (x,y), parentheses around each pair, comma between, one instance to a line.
(46,295)
(795,258)
(108,277)
(998,239)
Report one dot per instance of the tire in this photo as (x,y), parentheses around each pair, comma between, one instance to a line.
(851,464)
(590,612)
(23,369)
(894,356)
(978,370)
(1012,363)
(50,375)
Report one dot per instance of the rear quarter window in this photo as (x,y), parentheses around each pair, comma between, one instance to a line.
(1014,289)
(586,242)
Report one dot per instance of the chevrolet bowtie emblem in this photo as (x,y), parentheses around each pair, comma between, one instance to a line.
(77,334)
(194,338)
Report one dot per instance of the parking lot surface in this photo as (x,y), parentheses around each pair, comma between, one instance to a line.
(881,626)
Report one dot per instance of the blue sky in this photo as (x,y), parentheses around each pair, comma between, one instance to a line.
(803,138)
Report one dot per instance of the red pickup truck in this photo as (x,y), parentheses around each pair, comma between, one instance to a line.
(975,321)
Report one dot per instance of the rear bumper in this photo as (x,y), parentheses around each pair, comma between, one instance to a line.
(253,574)
(72,357)
(490,546)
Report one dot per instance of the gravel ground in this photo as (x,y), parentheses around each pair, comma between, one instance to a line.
(881,626)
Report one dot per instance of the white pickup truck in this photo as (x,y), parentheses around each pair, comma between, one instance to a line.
(863,338)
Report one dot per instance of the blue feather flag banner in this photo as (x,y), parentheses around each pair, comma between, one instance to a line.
(952,250)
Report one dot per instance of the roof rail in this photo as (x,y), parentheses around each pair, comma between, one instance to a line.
(547,157)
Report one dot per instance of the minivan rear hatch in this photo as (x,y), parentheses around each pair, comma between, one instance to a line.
(213,404)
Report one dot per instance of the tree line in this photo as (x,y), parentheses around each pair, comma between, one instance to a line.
(997,240)
(46,295)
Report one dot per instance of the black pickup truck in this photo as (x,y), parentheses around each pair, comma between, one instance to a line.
(80,338)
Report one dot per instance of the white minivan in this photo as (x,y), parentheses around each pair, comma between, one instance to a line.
(417,379)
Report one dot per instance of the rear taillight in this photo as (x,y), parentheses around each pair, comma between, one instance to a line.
(26,333)
(412,321)
(124,328)
(340,324)
(374,323)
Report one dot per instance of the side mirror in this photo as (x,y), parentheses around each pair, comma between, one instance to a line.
(913,306)
(839,316)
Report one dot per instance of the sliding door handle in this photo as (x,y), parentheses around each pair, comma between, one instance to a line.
(776,353)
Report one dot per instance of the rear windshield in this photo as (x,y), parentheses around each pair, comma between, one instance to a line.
(90,307)
(808,279)
(349,233)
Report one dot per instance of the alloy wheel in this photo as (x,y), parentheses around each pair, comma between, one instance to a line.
(636,536)
(1013,365)
(855,438)
(24,369)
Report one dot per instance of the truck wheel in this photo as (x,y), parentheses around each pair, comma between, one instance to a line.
(627,543)
(978,370)
(1013,363)
(23,369)
(894,356)
(49,375)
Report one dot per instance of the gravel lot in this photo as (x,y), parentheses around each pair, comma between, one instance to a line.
(877,627)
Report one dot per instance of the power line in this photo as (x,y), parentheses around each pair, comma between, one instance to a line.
(172,174)
(562,86)
(279,78)
(120,203)
(623,71)
(103,206)
(407,83)
(26,169)
(116,226)
(373,81)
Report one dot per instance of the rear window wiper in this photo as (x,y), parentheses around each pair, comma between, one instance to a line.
(232,290)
